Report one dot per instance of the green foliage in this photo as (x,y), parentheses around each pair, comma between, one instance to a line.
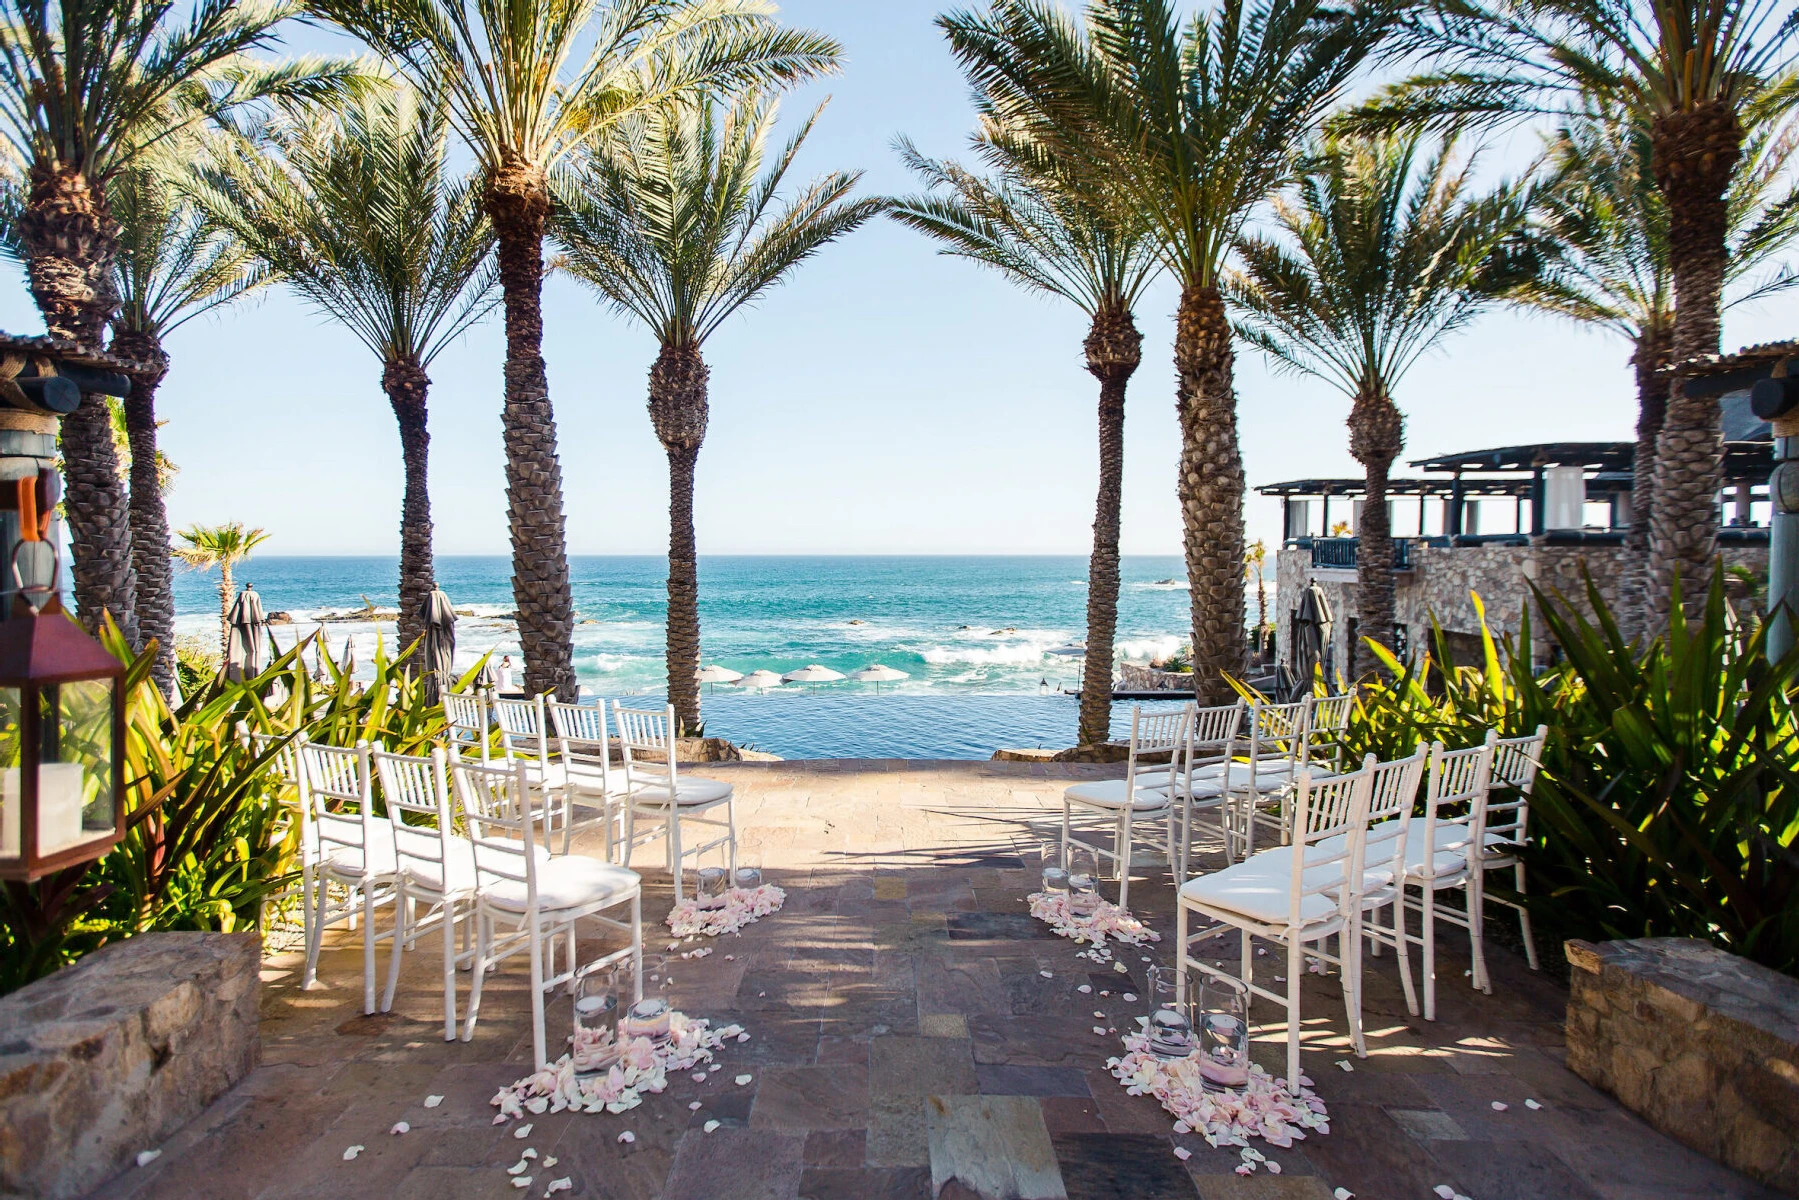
(1668,803)
(209,830)
(197,662)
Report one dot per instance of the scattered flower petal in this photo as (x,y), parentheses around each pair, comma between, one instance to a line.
(743,1079)
(352,1152)
(527,1153)
(709,1126)
(522,1182)
(559,1185)
(400,1127)
(146,1157)
(1182,1153)
(1532,1105)
(550,1161)
(1445,1191)
(523,1131)
(1121,968)
(1342,1194)
(1046,974)
(1100,1029)
(433,1101)
(519,1167)
(694,1107)
(1345,1064)
(1500,1106)
(1130,997)
(1182,1127)
(1085,989)
(627,1137)
(1274,1168)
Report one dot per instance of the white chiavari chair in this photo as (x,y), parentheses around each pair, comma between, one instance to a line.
(1125,804)
(1441,849)
(356,852)
(594,791)
(1505,831)
(658,790)
(1212,736)
(467,725)
(534,901)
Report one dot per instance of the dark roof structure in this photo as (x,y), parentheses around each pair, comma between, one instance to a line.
(63,351)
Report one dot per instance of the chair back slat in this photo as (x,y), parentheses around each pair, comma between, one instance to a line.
(1382,826)
(1158,733)
(340,787)
(1213,736)
(495,805)
(646,736)
(581,723)
(415,792)
(1516,762)
(1456,797)
(1327,721)
(1323,840)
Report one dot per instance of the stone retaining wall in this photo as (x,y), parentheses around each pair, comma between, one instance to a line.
(106,1058)
(1700,1043)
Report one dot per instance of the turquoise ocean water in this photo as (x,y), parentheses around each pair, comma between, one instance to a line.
(977,635)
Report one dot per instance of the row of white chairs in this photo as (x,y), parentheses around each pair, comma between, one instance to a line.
(1358,843)
(566,753)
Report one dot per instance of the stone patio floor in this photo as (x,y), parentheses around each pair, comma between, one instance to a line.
(899,1020)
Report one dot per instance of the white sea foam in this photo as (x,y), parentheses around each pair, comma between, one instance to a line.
(1161,585)
(1138,649)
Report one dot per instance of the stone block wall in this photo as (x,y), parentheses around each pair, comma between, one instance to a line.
(109,1056)
(1700,1043)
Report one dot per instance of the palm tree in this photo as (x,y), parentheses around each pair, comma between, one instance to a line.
(1255,567)
(86,87)
(224,547)
(1697,74)
(675,222)
(357,212)
(1384,253)
(173,265)
(1193,126)
(1041,228)
(529,82)
(1603,227)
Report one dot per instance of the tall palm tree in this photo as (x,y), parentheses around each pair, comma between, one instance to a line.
(1602,225)
(1697,74)
(357,211)
(1193,125)
(86,86)
(222,546)
(530,81)
(1043,229)
(173,265)
(676,223)
(1384,251)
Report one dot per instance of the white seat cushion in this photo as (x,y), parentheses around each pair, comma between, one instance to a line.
(1268,776)
(348,860)
(429,876)
(1109,793)
(574,881)
(690,789)
(1451,850)
(584,778)
(1261,889)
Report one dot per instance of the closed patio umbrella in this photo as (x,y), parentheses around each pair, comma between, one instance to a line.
(1311,637)
(439,650)
(877,675)
(243,648)
(760,680)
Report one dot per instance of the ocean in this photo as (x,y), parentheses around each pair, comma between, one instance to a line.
(977,635)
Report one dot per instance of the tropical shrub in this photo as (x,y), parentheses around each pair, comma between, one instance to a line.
(1668,803)
(208,829)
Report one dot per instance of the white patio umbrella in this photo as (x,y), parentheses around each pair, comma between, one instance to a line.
(812,674)
(877,675)
(760,680)
(717,674)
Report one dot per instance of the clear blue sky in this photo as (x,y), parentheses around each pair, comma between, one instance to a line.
(886,400)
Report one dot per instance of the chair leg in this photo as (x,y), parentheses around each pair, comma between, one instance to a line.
(1122,843)
(1180,954)
(315,933)
(1427,920)
(573,959)
(1373,942)
(731,828)
(673,836)
(1475,914)
(1530,944)
(368,946)
(1352,983)
(483,940)
(637,944)
(1247,971)
(403,915)
(537,1034)
(1296,961)
(1403,952)
(449,932)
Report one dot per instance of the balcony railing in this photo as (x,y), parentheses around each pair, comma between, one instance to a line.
(1339,553)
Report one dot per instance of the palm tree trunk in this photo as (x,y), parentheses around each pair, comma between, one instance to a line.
(150,556)
(517,202)
(227,593)
(1210,489)
(1114,349)
(1694,154)
(1654,350)
(70,242)
(407,386)
(679,410)
(1376,436)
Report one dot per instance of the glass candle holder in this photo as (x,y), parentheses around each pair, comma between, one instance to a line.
(1083,880)
(1055,868)
(749,878)
(1170,1029)
(710,887)
(1221,1015)
(648,1018)
(600,996)
(749,868)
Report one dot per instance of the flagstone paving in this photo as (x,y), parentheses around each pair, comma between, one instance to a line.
(905,1043)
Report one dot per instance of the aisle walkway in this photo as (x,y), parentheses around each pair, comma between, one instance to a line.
(902,1028)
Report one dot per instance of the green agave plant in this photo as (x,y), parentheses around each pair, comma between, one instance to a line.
(1668,803)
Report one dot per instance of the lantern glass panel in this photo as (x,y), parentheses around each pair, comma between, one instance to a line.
(10,806)
(75,793)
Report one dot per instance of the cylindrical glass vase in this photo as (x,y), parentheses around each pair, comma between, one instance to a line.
(1221,1020)
(1170,1029)
(1083,880)
(710,885)
(1055,868)
(601,994)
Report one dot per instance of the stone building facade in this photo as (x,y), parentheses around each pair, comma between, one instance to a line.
(1443,580)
